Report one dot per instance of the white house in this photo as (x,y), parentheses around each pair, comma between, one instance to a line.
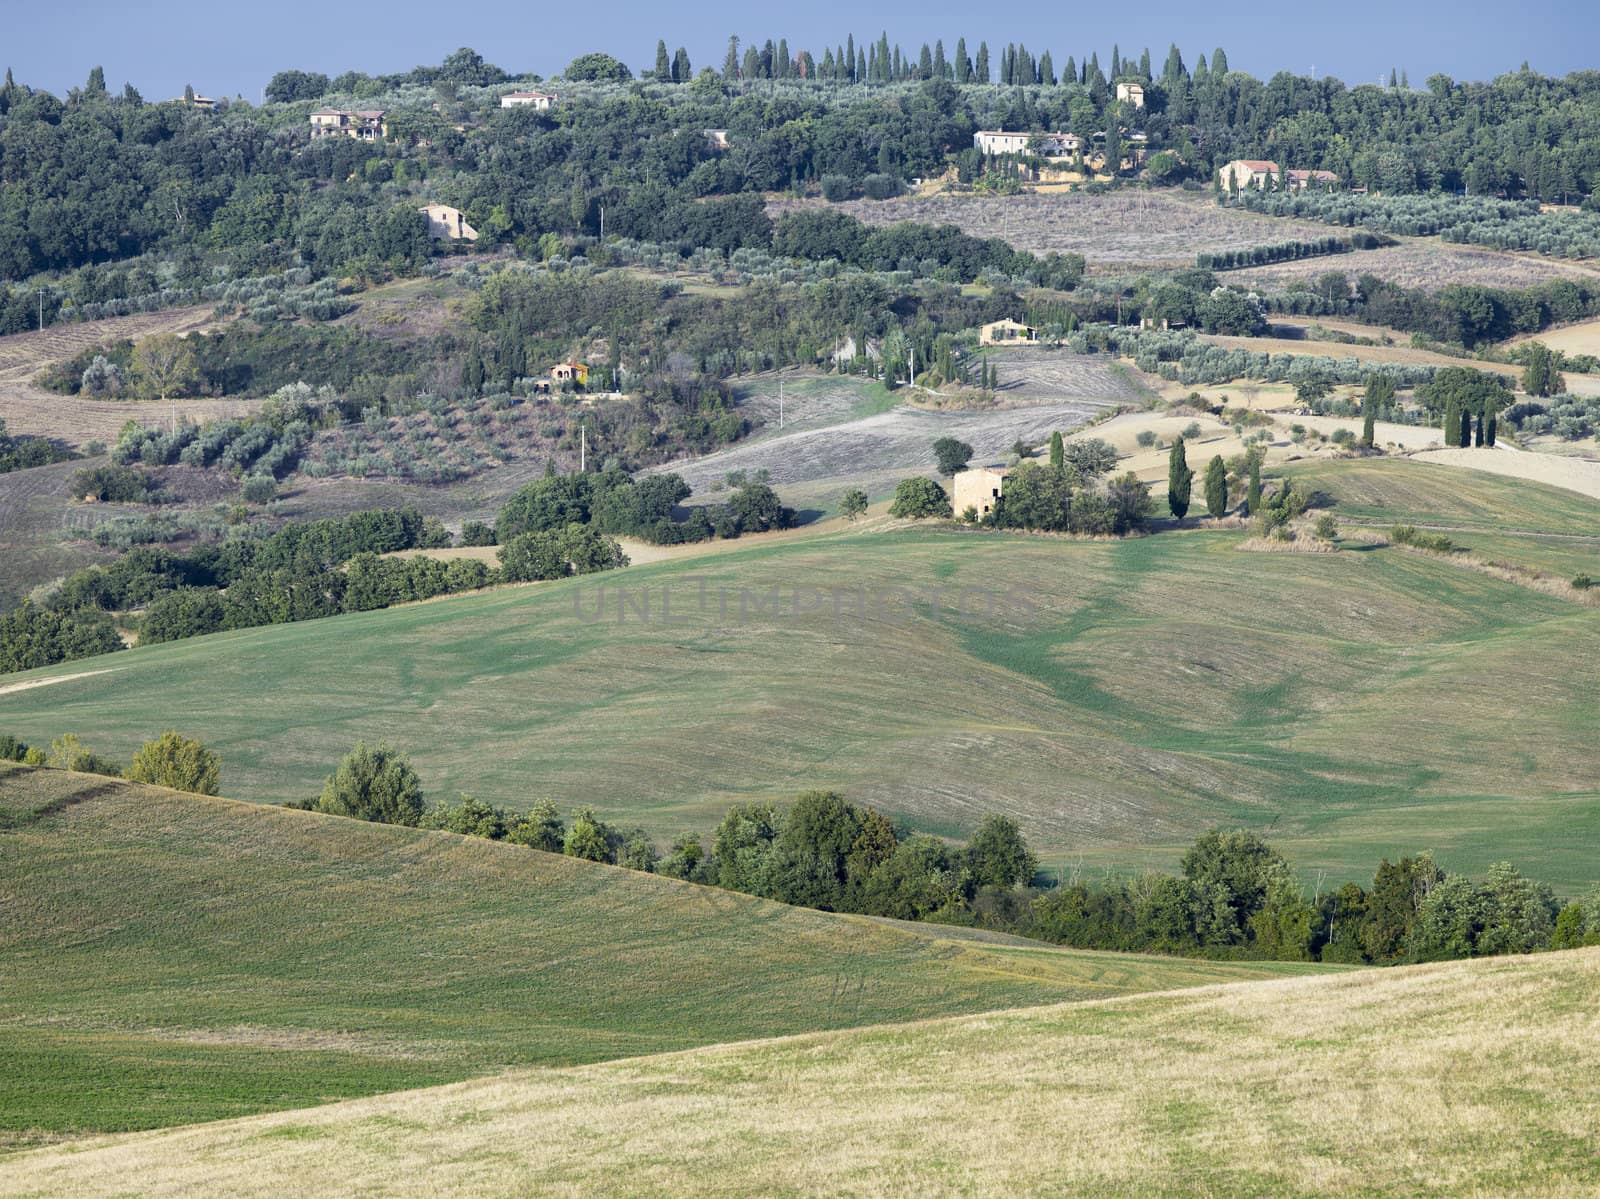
(538,101)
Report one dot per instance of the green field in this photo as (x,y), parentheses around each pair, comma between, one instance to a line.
(1496,518)
(169,959)
(1131,694)
(1472,1078)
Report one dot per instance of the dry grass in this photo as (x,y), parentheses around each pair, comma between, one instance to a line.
(1582,338)
(1573,474)
(1477,1078)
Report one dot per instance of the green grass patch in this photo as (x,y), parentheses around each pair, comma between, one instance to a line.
(170,959)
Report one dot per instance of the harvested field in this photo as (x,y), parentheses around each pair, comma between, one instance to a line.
(1423,263)
(1582,338)
(36,512)
(1041,391)
(1463,1078)
(74,420)
(172,958)
(1118,231)
(1573,474)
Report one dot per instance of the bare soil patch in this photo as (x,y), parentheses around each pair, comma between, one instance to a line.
(1120,230)
(1422,263)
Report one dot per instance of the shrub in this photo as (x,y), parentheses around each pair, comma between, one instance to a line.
(1411,535)
(475,532)
(12,750)
(1146,438)
(1327,528)
(881,187)
(259,489)
(836,188)
(373,783)
(1582,582)
(916,498)
(182,763)
(117,485)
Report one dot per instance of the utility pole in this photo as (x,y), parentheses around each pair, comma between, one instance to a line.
(602,222)
(41,310)
(583,448)
(780,403)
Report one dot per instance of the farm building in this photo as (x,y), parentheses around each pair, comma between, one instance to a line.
(447,224)
(1131,93)
(1300,181)
(1247,172)
(570,372)
(1003,333)
(366,125)
(1051,145)
(979,488)
(538,101)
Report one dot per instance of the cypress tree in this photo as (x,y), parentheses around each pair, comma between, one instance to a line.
(941,68)
(981,71)
(1216,486)
(1452,422)
(1058,449)
(1466,429)
(1179,480)
(663,63)
(850,56)
(1380,391)
(1252,497)
(963,63)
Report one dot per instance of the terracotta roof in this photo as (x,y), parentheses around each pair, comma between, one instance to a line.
(1259,164)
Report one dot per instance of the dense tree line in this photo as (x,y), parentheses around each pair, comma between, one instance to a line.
(1235,896)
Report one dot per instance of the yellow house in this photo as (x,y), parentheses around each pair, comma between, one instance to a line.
(570,372)
(979,489)
(1005,333)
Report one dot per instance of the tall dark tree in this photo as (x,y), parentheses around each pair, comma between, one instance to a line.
(1379,394)
(981,69)
(1058,449)
(663,63)
(1179,480)
(1252,497)
(1217,486)
(963,63)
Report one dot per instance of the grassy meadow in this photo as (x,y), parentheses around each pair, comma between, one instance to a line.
(1471,1078)
(169,959)
(1495,517)
(1118,697)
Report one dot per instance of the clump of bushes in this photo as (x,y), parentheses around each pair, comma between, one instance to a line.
(1410,535)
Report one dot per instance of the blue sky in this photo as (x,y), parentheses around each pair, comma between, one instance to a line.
(230,48)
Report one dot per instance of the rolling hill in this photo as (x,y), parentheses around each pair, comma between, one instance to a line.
(169,958)
(1118,697)
(1475,1078)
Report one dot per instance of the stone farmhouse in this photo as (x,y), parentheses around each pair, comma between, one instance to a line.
(979,488)
(1050,145)
(1131,93)
(1006,333)
(447,224)
(1247,172)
